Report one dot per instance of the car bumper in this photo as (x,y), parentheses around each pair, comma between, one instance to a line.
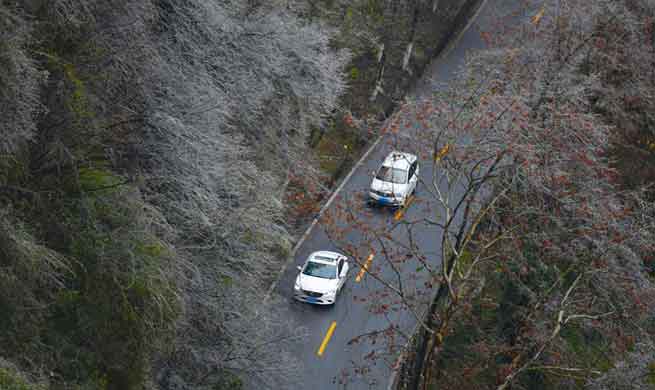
(324,300)
(385,200)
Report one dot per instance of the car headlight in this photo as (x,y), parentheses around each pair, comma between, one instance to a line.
(296,285)
(331,293)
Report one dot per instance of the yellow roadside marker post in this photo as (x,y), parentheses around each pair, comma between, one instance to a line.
(365,268)
(326,339)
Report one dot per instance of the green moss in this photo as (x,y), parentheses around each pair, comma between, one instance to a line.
(248,237)
(374,10)
(121,305)
(315,136)
(588,346)
(464,262)
(650,375)
(11,381)
(354,73)
(68,297)
(226,280)
(349,15)
(335,148)
(228,381)
(282,249)
(78,102)
(419,53)
(374,51)
(152,249)
(91,179)
(12,169)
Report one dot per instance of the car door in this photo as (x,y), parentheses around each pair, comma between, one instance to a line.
(342,271)
(413,180)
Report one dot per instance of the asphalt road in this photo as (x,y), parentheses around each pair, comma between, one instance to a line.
(334,355)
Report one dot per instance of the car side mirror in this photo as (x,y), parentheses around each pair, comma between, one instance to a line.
(299,268)
(373,173)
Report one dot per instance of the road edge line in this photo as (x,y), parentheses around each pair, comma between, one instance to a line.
(445,52)
(302,239)
(307,232)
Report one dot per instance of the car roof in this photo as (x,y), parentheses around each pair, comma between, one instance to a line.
(326,257)
(401,160)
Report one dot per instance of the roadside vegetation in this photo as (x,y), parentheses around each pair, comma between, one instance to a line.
(143,146)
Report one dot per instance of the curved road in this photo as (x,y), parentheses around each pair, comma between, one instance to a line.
(334,354)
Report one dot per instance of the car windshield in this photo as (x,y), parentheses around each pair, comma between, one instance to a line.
(393,175)
(320,270)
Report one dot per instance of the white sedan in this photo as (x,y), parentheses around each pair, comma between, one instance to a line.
(321,278)
(395,180)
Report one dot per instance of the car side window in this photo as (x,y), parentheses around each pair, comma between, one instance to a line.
(340,266)
(414,167)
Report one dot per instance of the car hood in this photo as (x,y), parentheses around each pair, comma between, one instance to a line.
(319,285)
(385,186)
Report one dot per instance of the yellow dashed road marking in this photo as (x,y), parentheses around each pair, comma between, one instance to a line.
(401,211)
(326,340)
(442,153)
(537,18)
(362,271)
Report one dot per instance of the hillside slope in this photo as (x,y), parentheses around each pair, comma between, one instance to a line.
(143,148)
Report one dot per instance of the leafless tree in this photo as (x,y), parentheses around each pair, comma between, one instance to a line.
(19,83)
(160,140)
(524,192)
